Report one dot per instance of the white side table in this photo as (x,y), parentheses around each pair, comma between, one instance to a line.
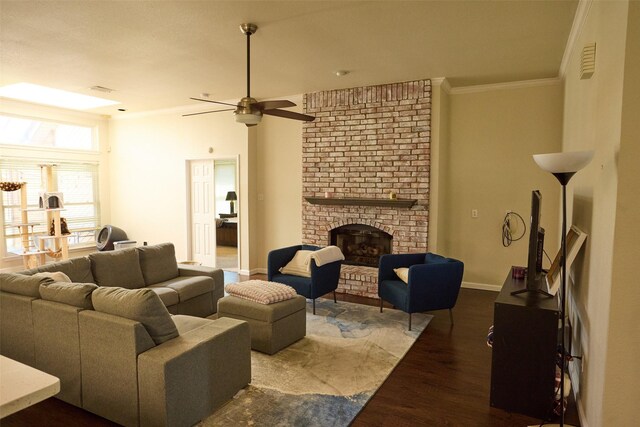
(22,386)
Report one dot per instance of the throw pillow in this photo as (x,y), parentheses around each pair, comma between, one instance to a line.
(21,284)
(299,264)
(56,276)
(141,305)
(75,294)
(402,273)
(158,263)
(117,268)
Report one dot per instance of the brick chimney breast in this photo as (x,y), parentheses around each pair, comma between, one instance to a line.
(368,142)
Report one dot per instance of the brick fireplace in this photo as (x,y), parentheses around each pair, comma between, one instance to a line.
(366,143)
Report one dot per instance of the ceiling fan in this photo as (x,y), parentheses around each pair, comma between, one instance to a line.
(249,111)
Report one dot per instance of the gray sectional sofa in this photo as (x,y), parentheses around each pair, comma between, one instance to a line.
(189,290)
(119,352)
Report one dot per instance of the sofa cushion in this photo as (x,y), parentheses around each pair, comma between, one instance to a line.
(158,263)
(75,294)
(299,264)
(141,305)
(189,323)
(117,268)
(188,287)
(168,296)
(21,284)
(78,269)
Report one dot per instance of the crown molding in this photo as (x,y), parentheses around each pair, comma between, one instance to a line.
(579,20)
(505,86)
(442,82)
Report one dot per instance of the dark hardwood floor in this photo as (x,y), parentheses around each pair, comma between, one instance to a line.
(443,380)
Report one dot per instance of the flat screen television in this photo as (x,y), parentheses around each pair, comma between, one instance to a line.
(534,280)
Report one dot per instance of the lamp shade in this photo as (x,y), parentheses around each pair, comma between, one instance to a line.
(567,162)
(231,195)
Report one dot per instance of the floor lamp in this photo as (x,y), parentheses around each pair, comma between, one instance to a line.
(563,166)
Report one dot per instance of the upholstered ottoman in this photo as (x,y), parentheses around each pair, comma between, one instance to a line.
(273,326)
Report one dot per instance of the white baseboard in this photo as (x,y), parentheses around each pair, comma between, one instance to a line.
(481,286)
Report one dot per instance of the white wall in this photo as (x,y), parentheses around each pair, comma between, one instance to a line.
(150,181)
(494,131)
(149,175)
(593,116)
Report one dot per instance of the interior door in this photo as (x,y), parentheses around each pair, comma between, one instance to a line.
(203,220)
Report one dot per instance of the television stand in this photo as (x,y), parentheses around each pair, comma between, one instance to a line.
(523,360)
(525,290)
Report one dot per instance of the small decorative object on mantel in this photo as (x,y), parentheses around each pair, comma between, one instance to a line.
(393,196)
(10,186)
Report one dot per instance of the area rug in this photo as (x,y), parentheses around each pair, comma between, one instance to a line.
(327,377)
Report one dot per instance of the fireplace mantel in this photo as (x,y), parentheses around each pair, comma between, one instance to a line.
(350,201)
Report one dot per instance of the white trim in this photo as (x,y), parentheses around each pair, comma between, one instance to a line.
(442,82)
(481,286)
(259,270)
(505,86)
(249,272)
(582,11)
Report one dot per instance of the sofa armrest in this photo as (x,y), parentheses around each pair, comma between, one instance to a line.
(215,273)
(109,349)
(185,379)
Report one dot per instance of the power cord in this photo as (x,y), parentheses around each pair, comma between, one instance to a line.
(509,224)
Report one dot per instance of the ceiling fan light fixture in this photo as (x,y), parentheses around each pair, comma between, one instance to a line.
(248,118)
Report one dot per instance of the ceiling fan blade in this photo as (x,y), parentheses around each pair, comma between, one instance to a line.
(289,115)
(207,112)
(269,105)
(215,102)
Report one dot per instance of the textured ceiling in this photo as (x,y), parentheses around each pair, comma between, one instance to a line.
(157,54)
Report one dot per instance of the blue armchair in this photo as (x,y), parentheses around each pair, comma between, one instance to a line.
(433,283)
(323,279)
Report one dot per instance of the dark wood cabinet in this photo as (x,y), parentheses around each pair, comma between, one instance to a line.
(227,234)
(525,340)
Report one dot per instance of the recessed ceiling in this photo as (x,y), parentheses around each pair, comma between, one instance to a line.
(157,54)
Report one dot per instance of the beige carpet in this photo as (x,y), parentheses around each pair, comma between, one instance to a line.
(326,378)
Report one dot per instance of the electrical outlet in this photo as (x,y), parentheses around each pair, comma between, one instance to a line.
(474,213)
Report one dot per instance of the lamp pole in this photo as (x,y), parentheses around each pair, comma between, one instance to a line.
(563,166)
(564,179)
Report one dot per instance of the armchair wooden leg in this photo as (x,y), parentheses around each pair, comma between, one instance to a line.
(334,297)
(380,305)
(451,315)
(314,306)
(409,321)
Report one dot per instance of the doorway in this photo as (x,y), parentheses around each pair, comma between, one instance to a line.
(214,224)
(226,209)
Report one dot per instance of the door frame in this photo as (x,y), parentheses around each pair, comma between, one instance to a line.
(189,225)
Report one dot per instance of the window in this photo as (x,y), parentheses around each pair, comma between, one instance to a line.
(36,133)
(77,181)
